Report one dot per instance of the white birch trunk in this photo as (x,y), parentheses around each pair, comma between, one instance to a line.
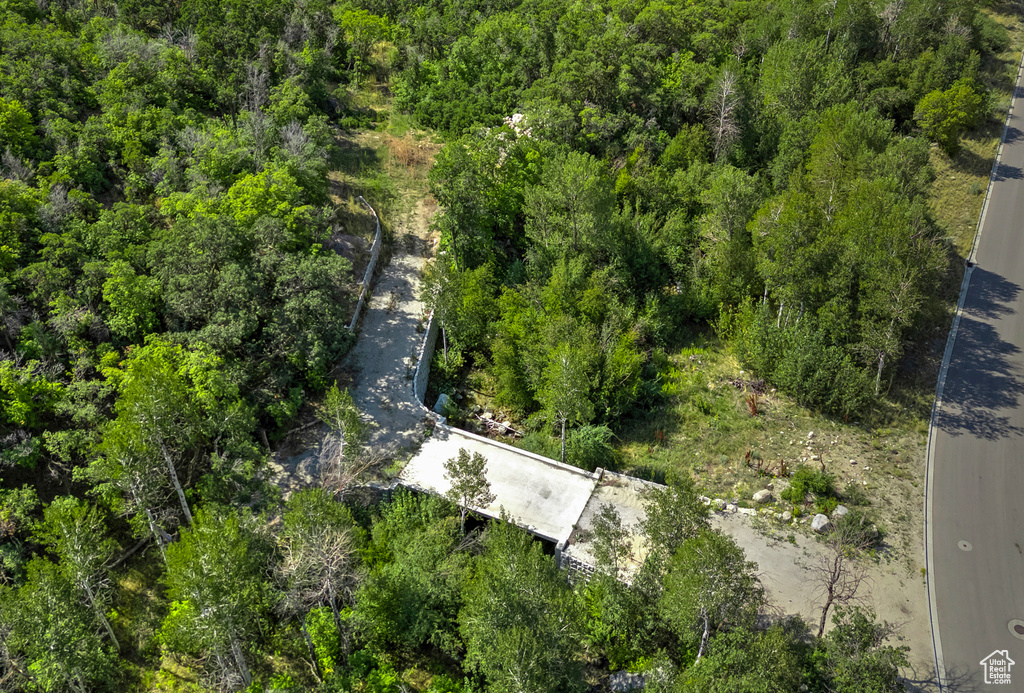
(100,615)
(177,484)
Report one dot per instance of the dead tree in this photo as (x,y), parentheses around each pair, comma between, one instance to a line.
(837,573)
(724,110)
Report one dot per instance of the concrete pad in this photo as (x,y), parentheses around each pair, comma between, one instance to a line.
(626,494)
(542,495)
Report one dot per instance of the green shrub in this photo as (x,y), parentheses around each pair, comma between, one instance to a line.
(540,443)
(445,372)
(806,480)
(444,684)
(589,447)
(802,361)
(826,505)
(702,403)
(990,34)
(326,639)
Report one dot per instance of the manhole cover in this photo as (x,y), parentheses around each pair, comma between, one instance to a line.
(964,545)
(1016,628)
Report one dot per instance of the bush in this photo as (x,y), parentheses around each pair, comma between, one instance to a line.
(853,494)
(541,443)
(944,115)
(991,36)
(809,481)
(589,447)
(801,361)
(443,684)
(445,373)
(859,531)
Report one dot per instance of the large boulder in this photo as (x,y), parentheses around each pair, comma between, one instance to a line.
(840,512)
(762,496)
(820,523)
(441,404)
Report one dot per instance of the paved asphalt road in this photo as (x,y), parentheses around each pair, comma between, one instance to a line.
(976,455)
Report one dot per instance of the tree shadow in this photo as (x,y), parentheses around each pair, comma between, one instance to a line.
(970,162)
(1013,134)
(1008,172)
(956,681)
(982,380)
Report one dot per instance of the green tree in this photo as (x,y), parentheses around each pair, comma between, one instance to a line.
(673,515)
(342,446)
(133,301)
(710,587)
(177,415)
(467,475)
(217,581)
(462,301)
(411,595)
(76,532)
(747,661)
(362,29)
(944,115)
(612,541)
(565,395)
(56,633)
(569,210)
(521,621)
(853,655)
(17,133)
(729,204)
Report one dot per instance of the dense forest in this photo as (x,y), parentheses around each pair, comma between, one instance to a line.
(614,176)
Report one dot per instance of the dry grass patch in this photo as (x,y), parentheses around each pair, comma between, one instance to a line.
(706,429)
(961,181)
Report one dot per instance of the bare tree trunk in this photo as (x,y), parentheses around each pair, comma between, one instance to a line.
(704,636)
(100,615)
(724,121)
(312,652)
(75,682)
(838,577)
(243,668)
(174,480)
(156,534)
(337,614)
(881,357)
(563,441)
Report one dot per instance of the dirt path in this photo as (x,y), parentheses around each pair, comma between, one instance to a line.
(384,358)
(381,363)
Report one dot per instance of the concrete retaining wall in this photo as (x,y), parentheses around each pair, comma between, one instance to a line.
(378,242)
(426,354)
